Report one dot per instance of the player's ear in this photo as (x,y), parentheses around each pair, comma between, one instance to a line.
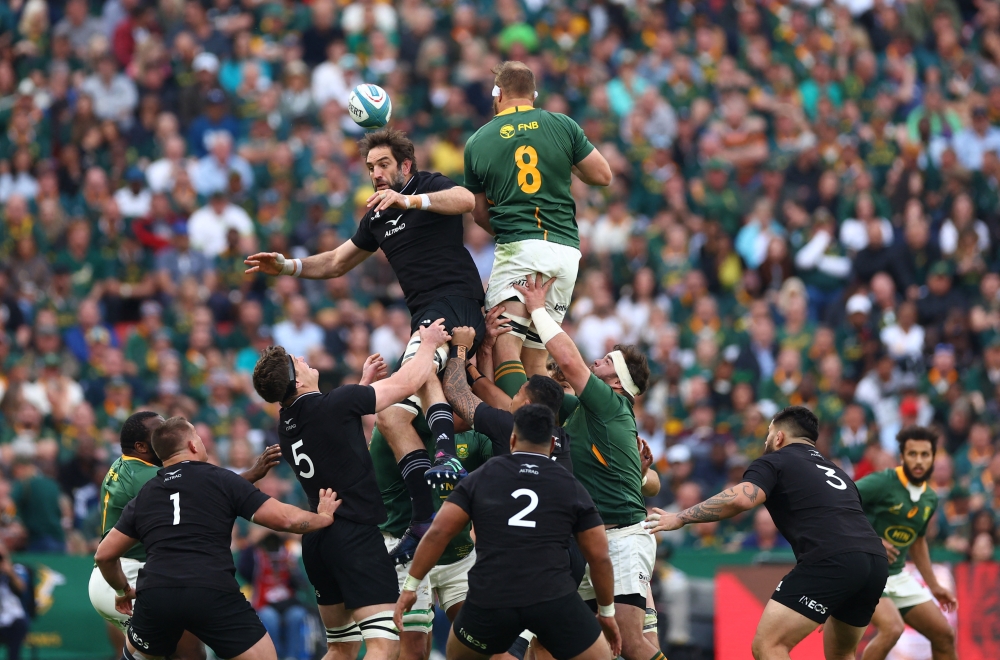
(513,441)
(552,445)
(406,167)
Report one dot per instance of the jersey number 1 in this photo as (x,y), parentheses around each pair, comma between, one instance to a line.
(529,179)
(176,499)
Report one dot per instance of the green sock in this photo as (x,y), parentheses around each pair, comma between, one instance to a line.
(509,377)
(659,656)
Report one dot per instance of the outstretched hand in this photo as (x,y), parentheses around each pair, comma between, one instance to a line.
(263,262)
(534,291)
(495,326)
(434,334)
(269,458)
(661,521)
(375,369)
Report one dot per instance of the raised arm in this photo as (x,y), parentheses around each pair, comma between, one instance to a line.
(560,346)
(323,266)
(283,517)
(594,169)
(456,385)
(450,201)
(730,502)
(481,213)
(921,557)
(268,459)
(412,375)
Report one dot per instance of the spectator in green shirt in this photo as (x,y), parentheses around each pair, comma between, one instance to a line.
(37,500)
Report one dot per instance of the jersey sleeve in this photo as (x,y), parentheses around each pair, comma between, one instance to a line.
(462,495)
(472,182)
(581,145)
(246,497)
(496,425)
(587,515)
(927,518)
(598,397)
(355,399)
(363,237)
(435,182)
(569,404)
(126,521)
(869,488)
(763,473)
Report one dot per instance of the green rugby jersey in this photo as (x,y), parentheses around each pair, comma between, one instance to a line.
(605,454)
(523,160)
(473,450)
(892,511)
(124,480)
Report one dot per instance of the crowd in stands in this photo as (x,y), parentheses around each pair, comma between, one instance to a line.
(805,210)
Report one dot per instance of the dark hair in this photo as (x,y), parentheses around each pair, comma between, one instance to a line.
(400,145)
(515,79)
(638,366)
(270,374)
(918,433)
(135,430)
(170,437)
(534,424)
(799,421)
(545,392)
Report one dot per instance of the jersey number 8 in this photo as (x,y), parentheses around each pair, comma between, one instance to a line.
(528,177)
(302,458)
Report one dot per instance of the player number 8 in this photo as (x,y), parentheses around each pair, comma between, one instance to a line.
(840,485)
(527,169)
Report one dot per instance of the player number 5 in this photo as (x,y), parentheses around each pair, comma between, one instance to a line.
(529,179)
(299,458)
(518,520)
(840,485)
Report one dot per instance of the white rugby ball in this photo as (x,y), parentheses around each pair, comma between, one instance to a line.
(369,106)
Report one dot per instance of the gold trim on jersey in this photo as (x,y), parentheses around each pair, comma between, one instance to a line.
(519,108)
(906,482)
(545,232)
(136,458)
(104,516)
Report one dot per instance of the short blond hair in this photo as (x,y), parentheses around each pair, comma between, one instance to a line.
(515,79)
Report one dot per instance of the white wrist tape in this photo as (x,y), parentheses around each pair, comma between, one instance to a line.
(545,325)
(291,267)
(645,479)
(425,201)
(607,611)
(410,583)
(409,201)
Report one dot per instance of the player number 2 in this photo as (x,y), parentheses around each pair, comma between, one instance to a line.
(518,520)
(840,485)
(176,498)
(528,177)
(302,458)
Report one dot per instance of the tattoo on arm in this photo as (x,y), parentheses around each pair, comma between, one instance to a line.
(304,525)
(712,509)
(456,390)
(751,491)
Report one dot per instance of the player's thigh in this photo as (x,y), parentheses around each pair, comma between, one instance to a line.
(263,649)
(566,263)
(156,624)
(887,619)
(780,628)
(840,640)
(486,631)
(456,649)
(928,620)
(565,626)
(189,647)
(318,572)
(599,650)
(450,583)
(226,622)
(356,559)
(867,577)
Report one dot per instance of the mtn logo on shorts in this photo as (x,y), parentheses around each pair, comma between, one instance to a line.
(507,131)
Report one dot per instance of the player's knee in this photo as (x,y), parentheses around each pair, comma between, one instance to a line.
(893,630)
(344,634)
(392,419)
(378,626)
(942,638)
(763,649)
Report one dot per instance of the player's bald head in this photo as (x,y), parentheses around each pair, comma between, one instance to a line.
(515,79)
(171,437)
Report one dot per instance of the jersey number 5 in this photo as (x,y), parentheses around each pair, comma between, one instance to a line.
(517,520)
(840,485)
(302,458)
(529,179)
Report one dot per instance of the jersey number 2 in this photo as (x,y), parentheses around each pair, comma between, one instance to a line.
(529,179)
(840,485)
(300,458)
(518,520)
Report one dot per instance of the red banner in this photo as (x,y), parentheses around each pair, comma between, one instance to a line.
(978,591)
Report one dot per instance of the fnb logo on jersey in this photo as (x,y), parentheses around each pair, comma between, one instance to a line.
(900,535)
(506,131)
(528,127)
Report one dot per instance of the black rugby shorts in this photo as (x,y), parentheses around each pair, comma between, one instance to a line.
(456,312)
(347,563)
(847,587)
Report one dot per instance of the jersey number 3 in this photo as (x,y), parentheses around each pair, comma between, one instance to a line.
(529,179)
(517,520)
(840,485)
(302,458)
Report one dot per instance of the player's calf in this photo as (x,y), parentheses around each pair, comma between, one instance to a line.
(928,620)
(631,621)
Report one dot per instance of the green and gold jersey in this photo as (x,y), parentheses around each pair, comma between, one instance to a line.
(473,450)
(523,160)
(124,480)
(605,454)
(897,510)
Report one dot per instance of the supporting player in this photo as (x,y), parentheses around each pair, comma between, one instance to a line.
(415,218)
(520,167)
(127,475)
(322,439)
(841,566)
(899,505)
(184,517)
(524,508)
(606,460)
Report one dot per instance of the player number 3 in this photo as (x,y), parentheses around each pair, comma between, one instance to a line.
(528,177)
(302,458)
(840,485)
(517,520)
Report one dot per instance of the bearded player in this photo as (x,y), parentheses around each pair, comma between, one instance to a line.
(899,504)
(520,167)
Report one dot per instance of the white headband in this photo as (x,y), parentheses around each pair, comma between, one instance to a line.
(621,369)
(496,91)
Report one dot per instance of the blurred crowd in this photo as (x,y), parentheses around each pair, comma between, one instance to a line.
(805,210)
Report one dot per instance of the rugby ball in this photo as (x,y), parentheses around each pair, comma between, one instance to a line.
(369,106)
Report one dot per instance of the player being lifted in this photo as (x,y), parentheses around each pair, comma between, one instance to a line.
(606,460)
(520,167)
(899,504)
(415,218)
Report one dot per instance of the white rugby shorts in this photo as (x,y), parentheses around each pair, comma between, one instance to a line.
(102,596)
(450,583)
(513,262)
(421,617)
(633,552)
(904,591)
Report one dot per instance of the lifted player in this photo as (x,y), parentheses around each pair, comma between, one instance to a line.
(606,460)
(126,477)
(524,508)
(841,565)
(520,167)
(899,504)
(415,218)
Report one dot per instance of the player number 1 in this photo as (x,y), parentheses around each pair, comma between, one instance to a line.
(518,520)
(529,179)
(176,498)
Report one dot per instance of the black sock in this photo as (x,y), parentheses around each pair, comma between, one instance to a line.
(412,467)
(442,423)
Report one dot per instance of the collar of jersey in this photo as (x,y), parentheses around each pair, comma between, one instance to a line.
(517,108)
(300,396)
(529,453)
(906,482)
(136,458)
